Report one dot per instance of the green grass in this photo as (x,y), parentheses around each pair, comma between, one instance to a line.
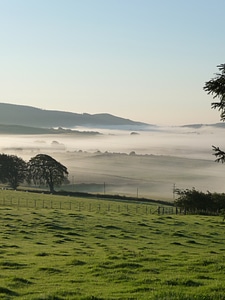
(82,253)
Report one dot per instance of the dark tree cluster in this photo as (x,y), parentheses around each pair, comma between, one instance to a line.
(13,170)
(41,169)
(194,201)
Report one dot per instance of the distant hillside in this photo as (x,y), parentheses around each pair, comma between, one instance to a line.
(197,126)
(25,130)
(11,114)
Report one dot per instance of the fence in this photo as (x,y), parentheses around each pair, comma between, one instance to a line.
(91,205)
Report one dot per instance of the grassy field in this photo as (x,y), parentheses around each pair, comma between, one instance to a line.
(73,253)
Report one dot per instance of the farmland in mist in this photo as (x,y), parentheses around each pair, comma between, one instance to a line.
(144,163)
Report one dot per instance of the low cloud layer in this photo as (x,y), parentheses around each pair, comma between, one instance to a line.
(145,164)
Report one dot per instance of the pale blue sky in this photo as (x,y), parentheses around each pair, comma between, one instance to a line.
(145,60)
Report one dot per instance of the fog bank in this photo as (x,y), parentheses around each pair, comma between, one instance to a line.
(146,163)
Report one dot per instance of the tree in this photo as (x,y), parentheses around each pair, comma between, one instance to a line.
(43,169)
(216,87)
(13,170)
(197,201)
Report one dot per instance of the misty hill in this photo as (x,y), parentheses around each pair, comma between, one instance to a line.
(197,126)
(11,114)
(24,130)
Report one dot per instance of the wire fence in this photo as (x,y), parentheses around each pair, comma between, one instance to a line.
(91,205)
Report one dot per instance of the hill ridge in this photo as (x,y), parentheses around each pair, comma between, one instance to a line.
(14,114)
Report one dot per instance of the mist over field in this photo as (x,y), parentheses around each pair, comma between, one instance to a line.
(142,163)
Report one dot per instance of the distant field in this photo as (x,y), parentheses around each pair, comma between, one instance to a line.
(74,253)
(153,176)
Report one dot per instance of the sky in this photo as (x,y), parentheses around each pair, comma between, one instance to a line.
(144,60)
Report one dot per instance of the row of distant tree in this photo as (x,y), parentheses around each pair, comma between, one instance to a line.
(194,201)
(41,169)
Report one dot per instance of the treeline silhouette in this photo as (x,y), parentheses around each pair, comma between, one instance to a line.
(193,201)
(41,169)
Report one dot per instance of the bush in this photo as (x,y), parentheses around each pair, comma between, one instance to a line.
(195,201)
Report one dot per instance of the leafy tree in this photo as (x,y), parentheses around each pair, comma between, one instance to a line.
(13,170)
(192,200)
(43,169)
(216,87)
(196,201)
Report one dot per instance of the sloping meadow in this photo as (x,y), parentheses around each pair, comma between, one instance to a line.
(74,253)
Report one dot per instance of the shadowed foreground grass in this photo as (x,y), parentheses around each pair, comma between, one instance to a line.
(64,254)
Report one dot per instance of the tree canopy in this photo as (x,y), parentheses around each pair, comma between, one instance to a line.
(43,169)
(13,170)
(194,201)
(216,87)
